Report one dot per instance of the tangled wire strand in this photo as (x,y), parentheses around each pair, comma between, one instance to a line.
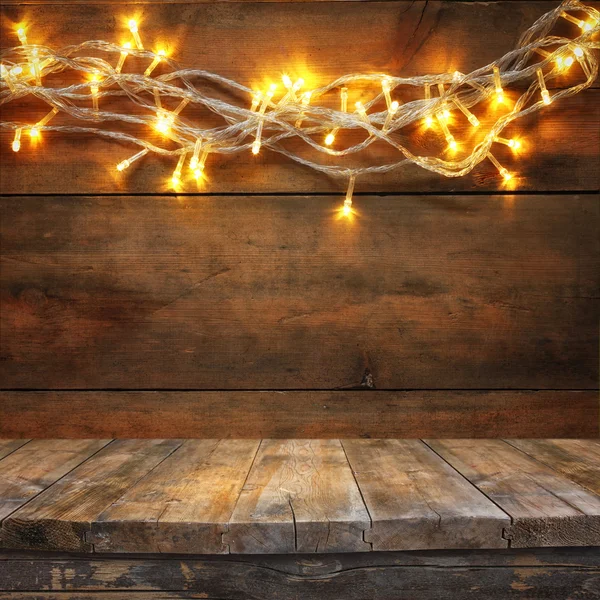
(539,58)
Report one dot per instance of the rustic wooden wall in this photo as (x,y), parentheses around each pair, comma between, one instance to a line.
(250,309)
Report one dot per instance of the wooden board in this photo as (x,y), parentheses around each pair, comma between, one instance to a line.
(183,506)
(456,575)
(9,446)
(395,37)
(547,508)
(579,460)
(418,502)
(478,292)
(37,465)
(60,517)
(300,414)
(300,496)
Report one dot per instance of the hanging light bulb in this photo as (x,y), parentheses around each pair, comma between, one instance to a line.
(470,116)
(444,112)
(196,153)
(504,172)
(133,27)
(305,101)
(7,78)
(259,128)
(16,145)
(94,91)
(176,179)
(330,138)
(34,132)
(129,161)
(347,208)
(498,84)
(123,56)
(544,91)
(386,87)
(449,137)
(511,143)
(157,58)
(390,115)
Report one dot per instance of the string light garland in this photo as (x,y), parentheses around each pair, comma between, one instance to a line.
(281,112)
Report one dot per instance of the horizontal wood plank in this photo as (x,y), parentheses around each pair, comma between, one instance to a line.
(418,502)
(60,517)
(393,37)
(36,466)
(301,414)
(300,496)
(547,508)
(277,293)
(9,446)
(579,460)
(457,575)
(183,506)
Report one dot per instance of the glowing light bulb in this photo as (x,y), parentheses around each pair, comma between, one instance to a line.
(545,95)
(360,109)
(386,86)
(22,35)
(569,61)
(156,61)
(428,121)
(470,116)
(256,147)
(35,66)
(194,159)
(259,128)
(394,106)
(94,91)
(256,98)
(504,172)
(176,178)
(34,132)
(16,145)
(498,85)
(347,208)
(123,56)
(330,137)
(452,145)
(7,77)
(578,52)
(511,143)
(163,123)
(133,27)
(199,169)
(129,161)
(584,25)
(16,71)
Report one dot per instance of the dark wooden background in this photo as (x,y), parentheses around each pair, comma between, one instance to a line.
(251,310)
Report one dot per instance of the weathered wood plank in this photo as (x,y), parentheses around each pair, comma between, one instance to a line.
(416,501)
(60,517)
(183,506)
(547,508)
(9,446)
(463,292)
(498,575)
(579,460)
(394,37)
(37,465)
(305,414)
(300,496)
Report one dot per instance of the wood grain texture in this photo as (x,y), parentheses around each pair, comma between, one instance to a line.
(418,502)
(394,37)
(579,460)
(60,517)
(300,496)
(37,465)
(183,506)
(300,414)
(142,293)
(457,575)
(547,508)
(9,446)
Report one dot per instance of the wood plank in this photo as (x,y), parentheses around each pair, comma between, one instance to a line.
(300,414)
(183,506)
(456,575)
(37,465)
(426,292)
(60,517)
(416,501)
(547,509)
(579,460)
(394,37)
(9,446)
(300,496)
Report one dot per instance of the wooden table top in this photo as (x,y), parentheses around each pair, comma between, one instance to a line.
(305,496)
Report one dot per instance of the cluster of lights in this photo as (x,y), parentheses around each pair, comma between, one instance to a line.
(293,112)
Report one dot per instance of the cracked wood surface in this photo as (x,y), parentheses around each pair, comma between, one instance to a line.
(300,496)
(417,501)
(294,496)
(404,38)
(182,506)
(547,508)
(468,292)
